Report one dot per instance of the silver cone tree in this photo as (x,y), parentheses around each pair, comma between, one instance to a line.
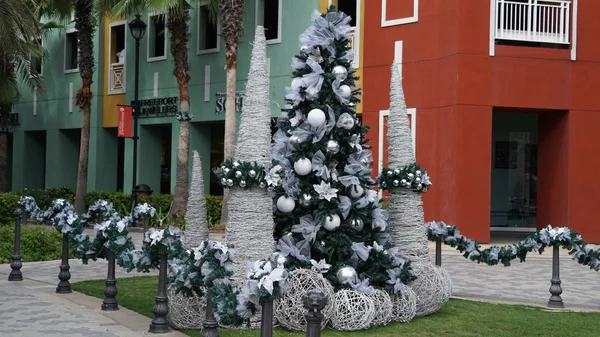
(250,223)
(196,225)
(406,207)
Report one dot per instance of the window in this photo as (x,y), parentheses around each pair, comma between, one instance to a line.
(116,58)
(268,15)
(157,37)
(36,62)
(348,7)
(71,64)
(208,31)
(117,43)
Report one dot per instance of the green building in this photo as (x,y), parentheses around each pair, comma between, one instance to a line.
(44,143)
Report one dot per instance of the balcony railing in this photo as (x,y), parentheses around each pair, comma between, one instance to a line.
(545,21)
(117,78)
(354,45)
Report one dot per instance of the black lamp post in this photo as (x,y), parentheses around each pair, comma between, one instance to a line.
(137,28)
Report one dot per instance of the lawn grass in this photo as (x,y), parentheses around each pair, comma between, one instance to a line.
(458,318)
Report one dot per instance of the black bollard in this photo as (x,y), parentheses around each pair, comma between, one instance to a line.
(146,225)
(161,301)
(210,324)
(555,300)
(438,252)
(16,264)
(266,319)
(110,288)
(64,287)
(314,301)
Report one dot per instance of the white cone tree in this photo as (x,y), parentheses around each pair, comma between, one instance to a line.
(196,225)
(250,223)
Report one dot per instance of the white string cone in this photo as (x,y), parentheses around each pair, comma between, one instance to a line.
(250,223)
(196,224)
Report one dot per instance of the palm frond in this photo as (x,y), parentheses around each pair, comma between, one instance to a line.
(214,10)
(127,8)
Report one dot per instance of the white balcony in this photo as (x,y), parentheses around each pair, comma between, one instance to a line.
(545,21)
(117,78)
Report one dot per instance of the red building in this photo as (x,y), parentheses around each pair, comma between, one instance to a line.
(504,101)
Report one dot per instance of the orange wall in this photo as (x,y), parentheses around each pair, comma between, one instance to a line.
(454,84)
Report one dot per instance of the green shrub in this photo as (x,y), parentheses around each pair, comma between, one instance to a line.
(38,243)
(43,198)
(8,205)
(161,202)
(214,205)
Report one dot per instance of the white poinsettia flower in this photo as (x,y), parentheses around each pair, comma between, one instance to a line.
(321,266)
(156,236)
(325,191)
(121,226)
(377,247)
(71,218)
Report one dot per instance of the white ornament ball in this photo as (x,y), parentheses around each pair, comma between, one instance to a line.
(298,83)
(316,117)
(303,166)
(332,222)
(352,311)
(383,307)
(289,309)
(345,91)
(333,146)
(229,182)
(346,274)
(340,72)
(223,181)
(285,204)
(356,191)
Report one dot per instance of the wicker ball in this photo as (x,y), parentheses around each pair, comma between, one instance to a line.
(352,311)
(445,276)
(429,287)
(289,309)
(383,307)
(404,306)
(186,312)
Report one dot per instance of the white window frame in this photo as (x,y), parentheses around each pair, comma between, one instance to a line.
(199,51)
(70,71)
(41,74)
(412,112)
(157,58)
(108,57)
(356,59)
(279,20)
(401,21)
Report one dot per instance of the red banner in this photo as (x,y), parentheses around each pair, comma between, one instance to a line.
(124,128)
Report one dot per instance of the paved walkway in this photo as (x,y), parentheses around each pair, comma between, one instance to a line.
(31,308)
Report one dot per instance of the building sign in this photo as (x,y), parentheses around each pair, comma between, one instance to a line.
(159,107)
(124,126)
(222,98)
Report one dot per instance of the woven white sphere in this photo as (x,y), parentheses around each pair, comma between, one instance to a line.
(404,305)
(353,311)
(303,166)
(429,287)
(316,117)
(289,309)
(445,277)
(285,204)
(186,312)
(383,307)
(345,91)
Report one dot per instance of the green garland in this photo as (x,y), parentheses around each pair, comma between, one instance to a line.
(547,237)
(241,174)
(411,177)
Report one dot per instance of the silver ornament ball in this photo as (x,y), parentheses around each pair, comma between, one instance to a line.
(390,173)
(229,182)
(312,93)
(333,146)
(420,186)
(418,173)
(226,171)
(236,164)
(346,274)
(417,179)
(238,174)
(294,140)
(252,173)
(357,224)
(403,182)
(262,184)
(396,183)
(223,181)
(397,172)
(411,176)
(340,72)
(242,183)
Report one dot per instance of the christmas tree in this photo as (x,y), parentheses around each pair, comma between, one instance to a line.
(196,224)
(327,215)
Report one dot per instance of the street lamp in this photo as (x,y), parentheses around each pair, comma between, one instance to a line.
(137,28)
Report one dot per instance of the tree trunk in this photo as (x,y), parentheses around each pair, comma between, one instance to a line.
(230,132)
(181,194)
(85,23)
(178,25)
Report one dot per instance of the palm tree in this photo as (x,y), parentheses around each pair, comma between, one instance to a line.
(19,32)
(177,12)
(232,29)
